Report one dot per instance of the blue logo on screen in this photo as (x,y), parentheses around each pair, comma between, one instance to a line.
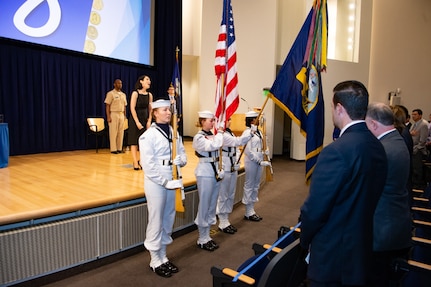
(119,29)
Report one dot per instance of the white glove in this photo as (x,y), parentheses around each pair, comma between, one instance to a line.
(174,184)
(220,174)
(221,126)
(267,151)
(236,166)
(253,128)
(265,163)
(178,161)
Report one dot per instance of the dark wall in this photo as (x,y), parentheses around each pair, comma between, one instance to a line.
(46,93)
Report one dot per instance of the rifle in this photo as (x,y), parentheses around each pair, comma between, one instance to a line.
(257,124)
(268,169)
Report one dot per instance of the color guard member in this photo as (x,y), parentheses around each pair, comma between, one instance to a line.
(208,175)
(156,150)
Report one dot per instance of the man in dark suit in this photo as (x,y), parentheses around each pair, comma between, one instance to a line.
(392,221)
(337,216)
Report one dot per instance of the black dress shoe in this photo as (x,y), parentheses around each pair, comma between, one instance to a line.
(114,152)
(120,151)
(233,228)
(214,244)
(171,267)
(162,271)
(206,246)
(254,217)
(227,230)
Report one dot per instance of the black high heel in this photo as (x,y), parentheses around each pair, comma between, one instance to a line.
(139,166)
(139,163)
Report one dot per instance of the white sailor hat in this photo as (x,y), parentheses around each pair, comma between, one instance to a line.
(251,114)
(206,115)
(160,104)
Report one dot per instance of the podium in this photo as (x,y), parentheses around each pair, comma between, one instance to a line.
(4,145)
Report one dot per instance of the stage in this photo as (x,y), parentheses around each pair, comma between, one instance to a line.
(44,185)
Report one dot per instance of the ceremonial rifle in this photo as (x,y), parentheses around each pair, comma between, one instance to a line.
(256,123)
(268,169)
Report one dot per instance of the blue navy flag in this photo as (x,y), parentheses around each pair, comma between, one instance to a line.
(297,88)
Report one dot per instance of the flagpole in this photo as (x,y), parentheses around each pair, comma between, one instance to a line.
(223,99)
(176,171)
(268,169)
(220,159)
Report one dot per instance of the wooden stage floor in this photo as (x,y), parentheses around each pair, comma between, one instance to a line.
(42,185)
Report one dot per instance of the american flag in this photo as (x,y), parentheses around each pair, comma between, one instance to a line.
(227,97)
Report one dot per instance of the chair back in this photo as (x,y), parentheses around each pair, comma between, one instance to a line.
(96,124)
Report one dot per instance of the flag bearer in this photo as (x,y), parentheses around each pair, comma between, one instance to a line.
(226,197)
(156,158)
(253,164)
(208,176)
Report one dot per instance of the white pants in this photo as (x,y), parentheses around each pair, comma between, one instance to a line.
(227,192)
(253,174)
(208,190)
(116,131)
(161,215)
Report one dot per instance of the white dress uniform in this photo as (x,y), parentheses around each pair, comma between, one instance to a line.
(207,147)
(155,149)
(228,184)
(253,170)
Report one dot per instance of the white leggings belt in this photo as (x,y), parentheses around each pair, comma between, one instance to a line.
(229,154)
(166,162)
(208,159)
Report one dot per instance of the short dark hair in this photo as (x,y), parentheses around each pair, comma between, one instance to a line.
(353,96)
(419,111)
(249,121)
(381,113)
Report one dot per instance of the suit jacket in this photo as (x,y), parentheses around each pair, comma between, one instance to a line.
(392,221)
(420,138)
(337,216)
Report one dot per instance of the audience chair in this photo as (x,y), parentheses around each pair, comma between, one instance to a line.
(272,265)
(421,216)
(96,127)
(427,171)
(421,202)
(418,266)
(286,268)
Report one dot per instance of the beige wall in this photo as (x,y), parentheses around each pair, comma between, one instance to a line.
(395,43)
(400,54)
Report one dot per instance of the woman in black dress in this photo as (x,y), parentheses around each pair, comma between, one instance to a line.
(140,111)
